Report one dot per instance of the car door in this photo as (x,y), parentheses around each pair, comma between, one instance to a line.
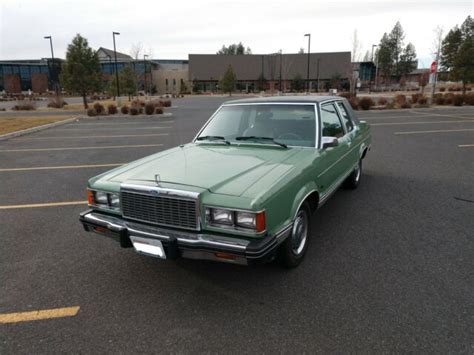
(351,132)
(333,164)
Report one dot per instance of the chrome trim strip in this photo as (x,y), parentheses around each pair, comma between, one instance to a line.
(334,187)
(304,199)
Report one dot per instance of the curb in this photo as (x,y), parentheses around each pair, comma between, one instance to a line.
(35,129)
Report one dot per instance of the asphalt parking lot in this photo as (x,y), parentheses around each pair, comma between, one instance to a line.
(390,267)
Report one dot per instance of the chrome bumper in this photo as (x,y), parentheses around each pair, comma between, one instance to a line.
(192,245)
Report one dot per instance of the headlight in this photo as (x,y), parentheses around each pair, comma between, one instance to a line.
(114,200)
(253,221)
(100,198)
(221,216)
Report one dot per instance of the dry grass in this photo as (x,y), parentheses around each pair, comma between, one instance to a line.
(10,124)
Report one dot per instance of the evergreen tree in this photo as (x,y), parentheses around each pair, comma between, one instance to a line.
(227,83)
(81,72)
(395,42)
(298,83)
(450,46)
(128,82)
(408,61)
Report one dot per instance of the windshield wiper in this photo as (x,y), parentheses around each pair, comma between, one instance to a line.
(213,138)
(269,139)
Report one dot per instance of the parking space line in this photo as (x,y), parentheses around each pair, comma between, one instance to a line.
(39,205)
(411,123)
(109,129)
(79,148)
(38,315)
(436,131)
(115,124)
(458,116)
(466,146)
(61,167)
(91,137)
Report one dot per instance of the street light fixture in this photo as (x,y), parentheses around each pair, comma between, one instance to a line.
(116,70)
(144,64)
(309,53)
(52,71)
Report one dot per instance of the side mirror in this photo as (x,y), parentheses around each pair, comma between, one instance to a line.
(329,142)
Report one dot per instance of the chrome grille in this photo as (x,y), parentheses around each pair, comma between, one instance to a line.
(161,210)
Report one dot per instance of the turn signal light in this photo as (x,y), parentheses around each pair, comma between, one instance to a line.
(90,197)
(226,256)
(260,221)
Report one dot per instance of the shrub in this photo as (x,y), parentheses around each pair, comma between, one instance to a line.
(415,98)
(112,109)
(442,89)
(448,99)
(451,88)
(458,100)
(56,102)
(390,105)
(347,95)
(159,110)
(91,112)
(469,99)
(439,100)
(406,105)
(167,103)
(400,99)
(3,109)
(134,111)
(382,101)
(354,103)
(124,109)
(422,100)
(99,108)
(25,105)
(140,110)
(366,103)
(149,108)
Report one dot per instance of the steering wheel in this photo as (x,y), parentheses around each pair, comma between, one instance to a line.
(290,136)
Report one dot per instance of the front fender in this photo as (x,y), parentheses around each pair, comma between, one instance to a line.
(301,196)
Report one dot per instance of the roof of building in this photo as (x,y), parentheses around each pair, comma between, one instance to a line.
(250,67)
(292,99)
(110,53)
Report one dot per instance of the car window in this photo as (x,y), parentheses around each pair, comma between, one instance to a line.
(345,116)
(294,125)
(331,123)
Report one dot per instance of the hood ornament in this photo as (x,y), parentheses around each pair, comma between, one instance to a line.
(157,179)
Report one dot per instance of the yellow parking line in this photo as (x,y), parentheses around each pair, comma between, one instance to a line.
(91,137)
(38,315)
(410,123)
(61,167)
(36,205)
(80,148)
(437,131)
(466,146)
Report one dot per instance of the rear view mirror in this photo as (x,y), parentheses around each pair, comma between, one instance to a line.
(329,142)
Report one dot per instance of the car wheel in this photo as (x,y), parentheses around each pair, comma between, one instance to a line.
(292,251)
(353,180)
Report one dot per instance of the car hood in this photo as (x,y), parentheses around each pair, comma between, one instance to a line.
(222,169)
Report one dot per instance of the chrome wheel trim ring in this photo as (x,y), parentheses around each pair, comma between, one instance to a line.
(299,233)
(357,172)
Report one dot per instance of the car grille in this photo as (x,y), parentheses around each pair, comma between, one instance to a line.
(161,210)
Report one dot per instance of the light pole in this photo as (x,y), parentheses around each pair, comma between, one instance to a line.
(144,64)
(309,54)
(372,60)
(281,58)
(116,70)
(52,71)
(317,89)
(373,46)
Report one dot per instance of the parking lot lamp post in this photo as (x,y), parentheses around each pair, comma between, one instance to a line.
(52,72)
(144,77)
(279,84)
(317,88)
(309,54)
(116,69)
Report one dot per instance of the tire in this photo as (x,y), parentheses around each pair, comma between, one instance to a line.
(292,251)
(353,179)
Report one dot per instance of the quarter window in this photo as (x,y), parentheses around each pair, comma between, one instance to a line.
(331,123)
(345,116)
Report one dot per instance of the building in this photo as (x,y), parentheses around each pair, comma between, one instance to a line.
(266,71)
(23,75)
(171,76)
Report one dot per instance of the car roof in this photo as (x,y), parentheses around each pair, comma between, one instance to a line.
(293,99)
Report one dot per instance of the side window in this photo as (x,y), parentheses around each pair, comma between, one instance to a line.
(331,123)
(345,116)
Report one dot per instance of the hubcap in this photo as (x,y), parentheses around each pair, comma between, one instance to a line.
(300,232)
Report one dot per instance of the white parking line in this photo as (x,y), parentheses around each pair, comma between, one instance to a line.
(80,148)
(61,167)
(92,137)
(437,131)
(116,123)
(466,146)
(109,129)
(38,205)
(410,123)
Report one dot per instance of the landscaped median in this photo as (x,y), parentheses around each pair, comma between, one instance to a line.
(14,123)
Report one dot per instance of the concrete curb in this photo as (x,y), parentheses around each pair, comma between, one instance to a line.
(35,129)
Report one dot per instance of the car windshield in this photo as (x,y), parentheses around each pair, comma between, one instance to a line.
(292,125)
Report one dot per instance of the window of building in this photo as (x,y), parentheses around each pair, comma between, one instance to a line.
(331,123)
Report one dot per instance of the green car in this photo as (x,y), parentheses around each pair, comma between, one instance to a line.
(243,191)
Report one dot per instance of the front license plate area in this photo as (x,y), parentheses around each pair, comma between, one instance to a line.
(150,247)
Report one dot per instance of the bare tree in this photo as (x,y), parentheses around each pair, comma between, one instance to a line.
(301,51)
(286,66)
(437,41)
(136,50)
(356,47)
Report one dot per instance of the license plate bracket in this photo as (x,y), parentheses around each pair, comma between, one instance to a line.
(148,246)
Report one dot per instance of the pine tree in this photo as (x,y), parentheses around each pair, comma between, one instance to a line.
(407,60)
(227,83)
(81,72)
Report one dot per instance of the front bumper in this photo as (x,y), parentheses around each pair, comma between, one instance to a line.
(192,245)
